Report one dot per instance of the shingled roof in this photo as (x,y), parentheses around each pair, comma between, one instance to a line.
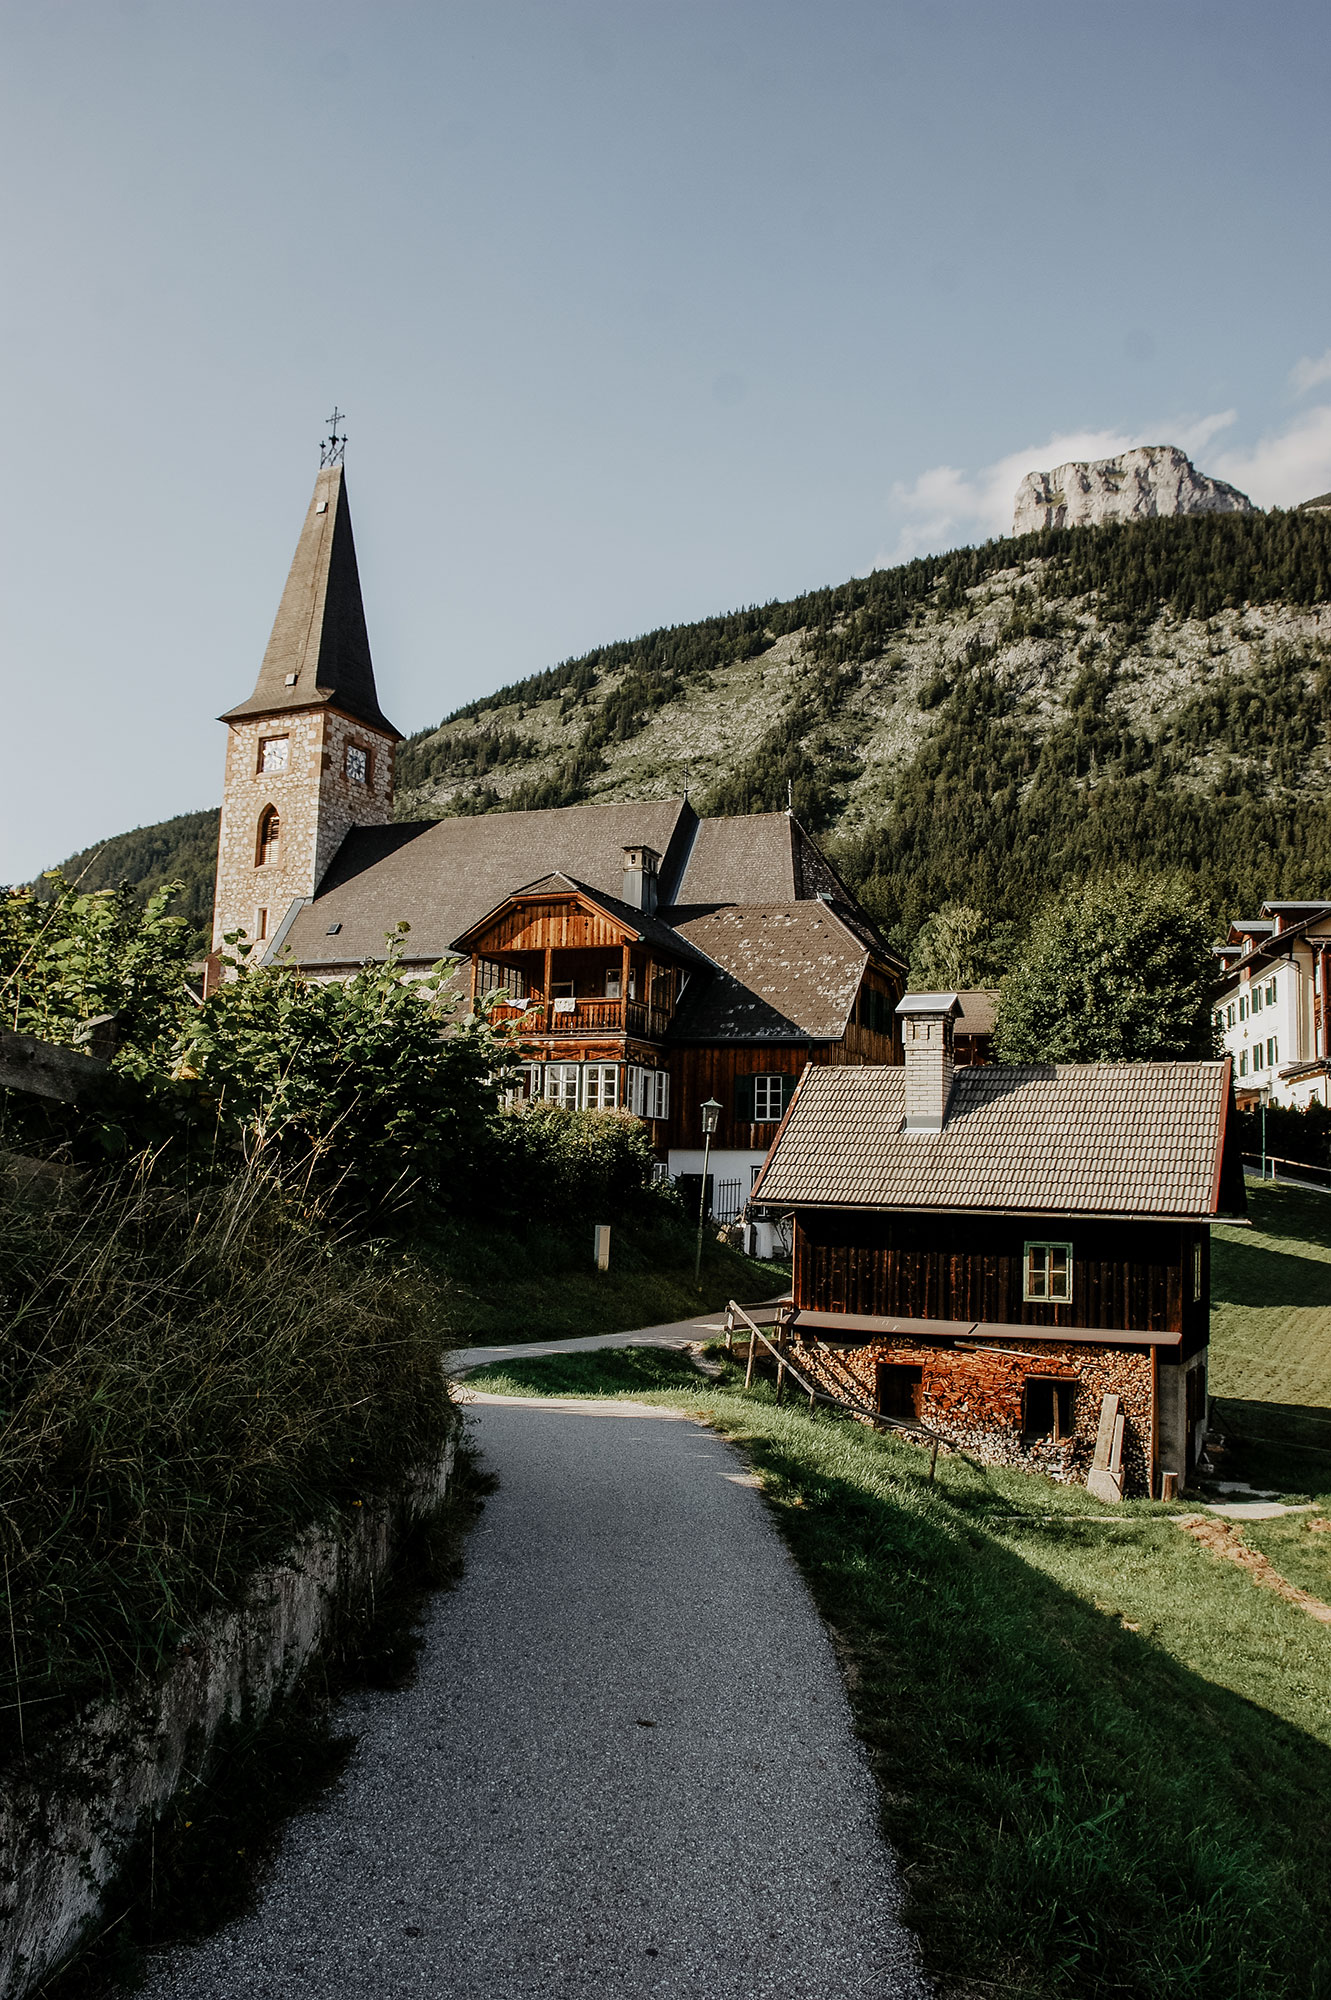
(444,876)
(789,970)
(319,652)
(1140,1139)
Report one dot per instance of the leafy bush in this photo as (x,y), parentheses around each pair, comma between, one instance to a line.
(188,1379)
(66,960)
(588,1165)
(373,1080)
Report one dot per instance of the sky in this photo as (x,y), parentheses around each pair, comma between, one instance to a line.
(638,312)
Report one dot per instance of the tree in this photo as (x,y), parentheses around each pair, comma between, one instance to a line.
(373,1079)
(65,961)
(1117,971)
(958,946)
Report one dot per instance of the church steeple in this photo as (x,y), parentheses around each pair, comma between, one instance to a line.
(310,754)
(319,652)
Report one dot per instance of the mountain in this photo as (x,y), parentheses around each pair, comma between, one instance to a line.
(984,725)
(180,850)
(1150,480)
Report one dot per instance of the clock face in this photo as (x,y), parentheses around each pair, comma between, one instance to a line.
(274,752)
(358,764)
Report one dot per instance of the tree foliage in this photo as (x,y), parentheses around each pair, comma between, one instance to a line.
(1118,971)
(959,947)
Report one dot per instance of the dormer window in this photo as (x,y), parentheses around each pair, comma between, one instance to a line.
(358,764)
(269,848)
(274,754)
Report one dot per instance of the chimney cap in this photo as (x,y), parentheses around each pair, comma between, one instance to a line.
(929,1003)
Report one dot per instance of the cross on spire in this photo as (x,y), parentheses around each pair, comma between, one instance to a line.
(332,447)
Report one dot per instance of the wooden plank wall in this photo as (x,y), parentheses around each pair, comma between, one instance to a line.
(1125,1274)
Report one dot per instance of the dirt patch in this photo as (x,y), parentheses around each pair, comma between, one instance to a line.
(1220,1539)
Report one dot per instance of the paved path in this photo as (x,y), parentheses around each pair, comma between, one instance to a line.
(677,1334)
(626,1767)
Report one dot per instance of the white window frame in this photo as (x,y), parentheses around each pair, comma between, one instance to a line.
(1258,1057)
(563,1085)
(1243,1062)
(1037,1270)
(1270,993)
(763,1113)
(1272,1051)
(659,1092)
(600,1086)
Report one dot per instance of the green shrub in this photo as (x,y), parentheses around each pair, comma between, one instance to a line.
(188,1377)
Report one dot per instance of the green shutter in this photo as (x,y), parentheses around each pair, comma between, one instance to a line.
(744,1108)
(787,1092)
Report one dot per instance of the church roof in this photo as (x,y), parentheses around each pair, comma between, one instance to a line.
(789,971)
(319,652)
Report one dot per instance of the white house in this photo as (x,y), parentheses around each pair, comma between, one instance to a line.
(1271,1004)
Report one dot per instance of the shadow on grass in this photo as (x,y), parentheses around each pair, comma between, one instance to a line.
(1077,1812)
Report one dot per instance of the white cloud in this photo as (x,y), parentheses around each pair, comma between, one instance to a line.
(1284,468)
(1306,374)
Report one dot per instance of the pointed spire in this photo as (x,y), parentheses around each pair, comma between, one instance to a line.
(319,652)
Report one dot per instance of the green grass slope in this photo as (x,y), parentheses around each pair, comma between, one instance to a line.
(1271,1321)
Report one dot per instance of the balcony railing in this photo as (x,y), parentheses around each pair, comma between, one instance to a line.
(559,1018)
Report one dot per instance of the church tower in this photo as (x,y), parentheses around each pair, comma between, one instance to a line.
(311,752)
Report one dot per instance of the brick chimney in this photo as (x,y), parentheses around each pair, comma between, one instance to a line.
(926,1031)
(640,866)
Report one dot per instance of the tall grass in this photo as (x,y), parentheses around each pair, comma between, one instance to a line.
(188,1377)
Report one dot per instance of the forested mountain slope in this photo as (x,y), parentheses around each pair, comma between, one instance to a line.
(982,725)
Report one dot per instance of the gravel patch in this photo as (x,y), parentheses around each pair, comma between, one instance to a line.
(626,1766)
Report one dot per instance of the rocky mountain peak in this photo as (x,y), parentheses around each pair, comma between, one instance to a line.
(1152,479)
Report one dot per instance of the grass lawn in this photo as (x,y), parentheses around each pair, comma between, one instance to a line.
(1104,1756)
(542,1284)
(1271,1326)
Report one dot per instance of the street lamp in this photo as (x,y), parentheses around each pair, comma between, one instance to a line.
(711,1111)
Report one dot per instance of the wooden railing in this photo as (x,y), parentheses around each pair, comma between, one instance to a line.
(584,1018)
(852,1399)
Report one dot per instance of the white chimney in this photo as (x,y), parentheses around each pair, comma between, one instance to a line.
(640,866)
(926,1032)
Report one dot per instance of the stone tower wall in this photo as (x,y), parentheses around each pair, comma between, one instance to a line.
(317,802)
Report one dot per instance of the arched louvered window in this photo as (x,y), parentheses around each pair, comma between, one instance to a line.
(270,836)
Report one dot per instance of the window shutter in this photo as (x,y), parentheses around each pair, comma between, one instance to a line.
(744,1111)
(787,1092)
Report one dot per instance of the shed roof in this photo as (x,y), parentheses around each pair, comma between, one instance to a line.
(1142,1139)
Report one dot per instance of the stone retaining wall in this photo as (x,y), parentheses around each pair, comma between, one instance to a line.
(62,1835)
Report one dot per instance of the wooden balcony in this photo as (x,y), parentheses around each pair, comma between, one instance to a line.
(582,1019)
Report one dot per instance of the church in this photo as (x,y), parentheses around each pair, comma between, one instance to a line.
(646,959)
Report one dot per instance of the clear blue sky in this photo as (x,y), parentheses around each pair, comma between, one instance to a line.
(638,311)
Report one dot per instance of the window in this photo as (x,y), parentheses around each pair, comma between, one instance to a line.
(269,848)
(274,753)
(658,1093)
(561,1085)
(1243,1008)
(260,924)
(1256,999)
(1243,1062)
(1230,1011)
(614,982)
(1196,1272)
(1270,993)
(561,989)
(1272,1051)
(1048,1411)
(1257,1056)
(1048,1272)
(601,1087)
(358,764)
(898,1391)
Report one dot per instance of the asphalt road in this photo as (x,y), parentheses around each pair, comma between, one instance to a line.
(626,1766)
(677,1333)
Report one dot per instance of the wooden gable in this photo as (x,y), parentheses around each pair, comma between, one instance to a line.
(567,922)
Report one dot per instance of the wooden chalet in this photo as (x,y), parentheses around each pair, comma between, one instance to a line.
(648,959)
(1016,1259)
